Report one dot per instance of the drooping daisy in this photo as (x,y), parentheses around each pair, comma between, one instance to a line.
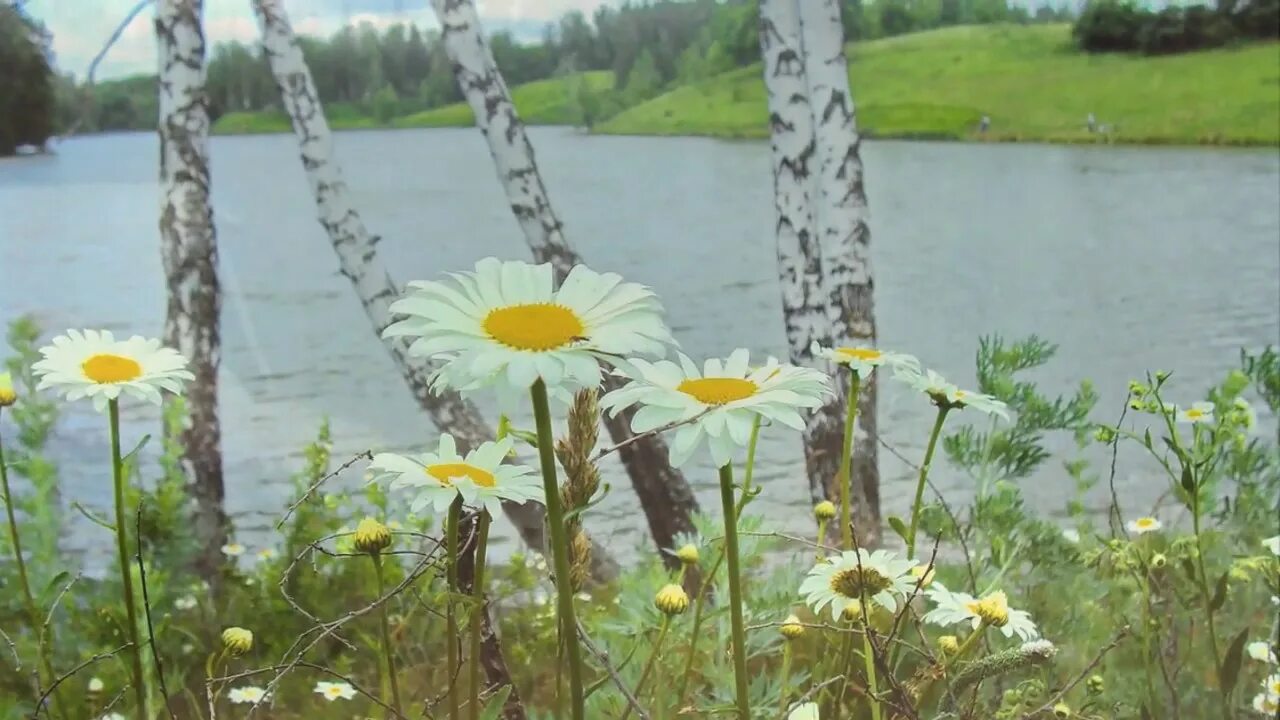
(946,394)
(725,398)
(334,690)
(863,360)
(480,477)
(233,549)
(507,324)
(804,711)
(1272,544)
(1143,525)
(843,580)
(1266,704)
(247,694)
(992,609)
(1261,652)
(1198,412)
(93,364)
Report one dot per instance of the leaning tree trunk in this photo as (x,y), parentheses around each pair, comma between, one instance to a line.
(844,238)
(800,261)
(358,256)
(665,496)
(188,246)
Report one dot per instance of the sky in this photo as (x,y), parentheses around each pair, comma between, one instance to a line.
(81,27)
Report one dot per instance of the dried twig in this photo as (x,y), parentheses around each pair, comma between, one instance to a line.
(613,673)
(647,434)
(1120,635)
(40,704)
(17,661)
(365,455)
(146,610)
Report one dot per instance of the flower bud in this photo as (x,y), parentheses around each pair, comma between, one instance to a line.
(1137,389)
(671,600)
(949,644)
(237,640)
(96,686)
(1158,561)
(993,609)
(8,395)
(791,628)
(372,537)
(1095,684)
(824,511)
(852,612)
(1062,710)
(1104,434)
(688,554)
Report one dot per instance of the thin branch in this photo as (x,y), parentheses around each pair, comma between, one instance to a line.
(146,610)
(40,704)
(648,434)
(365,455)
(1115,640)
(17,661)
(320,668)
(613,673)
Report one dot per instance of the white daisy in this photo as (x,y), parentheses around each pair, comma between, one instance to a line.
(334,690)
(1143,525)
(96,685)
(804,711)
(1272,544)
(863,360)
(992,609)
(1198,412)
(1266,704)
(506,324)
(725,398)
(1071,535)
(186,602)
(944,393)
(266,554)
(93,364)
(1261,652)
(480,477)
(247,694)
(843,580)
(112,716)
(1271,685)
(233,549)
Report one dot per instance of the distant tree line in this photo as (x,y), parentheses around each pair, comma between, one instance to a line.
(648,45)
(26,81)
(1124,26)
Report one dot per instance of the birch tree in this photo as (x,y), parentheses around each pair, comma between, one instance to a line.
(666,497)
(189,249)
(844,235)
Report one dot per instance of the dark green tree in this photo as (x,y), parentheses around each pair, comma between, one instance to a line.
(27,100)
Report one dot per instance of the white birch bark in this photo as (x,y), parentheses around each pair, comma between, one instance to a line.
(665,496)
(840,211)
(189,250)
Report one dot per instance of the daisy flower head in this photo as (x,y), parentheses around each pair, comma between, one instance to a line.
(804,711)
(247,694)
(1143,525)
(863,360)
(1266,704)
(1261,652)
(8,395)
(506,324)
(93,364)
(843,580)
(1197,413)
(1271,685)
(953,608)
(334,690)
(480,477)
(718,403)
(946,394)
(233,549)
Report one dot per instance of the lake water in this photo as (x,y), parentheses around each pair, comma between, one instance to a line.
(1129,258)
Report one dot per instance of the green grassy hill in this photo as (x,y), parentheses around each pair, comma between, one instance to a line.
(1029,79)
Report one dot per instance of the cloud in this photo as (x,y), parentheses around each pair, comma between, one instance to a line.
(81,28)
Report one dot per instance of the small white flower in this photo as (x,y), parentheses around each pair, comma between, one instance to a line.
(334,690)
(247,694)
(112,716)
(1271,685)
(1261,652)
(944,393)
(233,549)
(718,403)
(1142,525)
(1198,412)
(1266,704)
(804,711)
(266,554)
(480,477)
(1071,535)
(956,607)
(96,685)
(1275,599)
(583,597)
(863,360)
(843,580)
(1272,544)
(93,364)
(186,602)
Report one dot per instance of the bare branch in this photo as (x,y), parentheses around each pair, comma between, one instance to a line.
(365,455)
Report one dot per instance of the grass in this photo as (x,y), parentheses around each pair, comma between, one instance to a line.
(1028,79)
(542,102)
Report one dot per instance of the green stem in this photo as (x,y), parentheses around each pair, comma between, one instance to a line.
(1225,696)
(966,646)
(846,462)
(822,541)
(842,662)
(451,616)
(786,676)
(477,613)
(735,591)
(749,470)
(385,628)
(126,573)
(559,545)
(868,656)
(1146,643)
(33,613)
(648,666)
(924,476)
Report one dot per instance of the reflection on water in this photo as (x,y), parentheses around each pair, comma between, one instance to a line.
(1130,259)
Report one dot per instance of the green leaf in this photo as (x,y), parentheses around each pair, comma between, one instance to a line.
(136,448)
(524,435)
(1146,438)
(1229,673)
(898,526)
(1188,480)
(1189,568)
(493,709)
(1219,594)
(52,588)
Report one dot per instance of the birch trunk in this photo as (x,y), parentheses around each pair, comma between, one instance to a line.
(666,497)
(356,247)
(188,247)
(844,237)
(800,261)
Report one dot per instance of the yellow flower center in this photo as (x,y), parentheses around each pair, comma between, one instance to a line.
(1145,523)
(866,354)
(106,368)
(1195,413)
(333,691)
(852,583)
(535,326)
(445,472)
(992,609)
(717,391)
